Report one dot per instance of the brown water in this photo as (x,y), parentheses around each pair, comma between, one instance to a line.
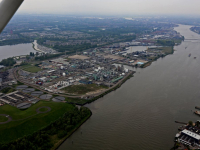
(15,50)
(140,115)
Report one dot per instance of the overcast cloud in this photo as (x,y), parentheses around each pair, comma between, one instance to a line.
(111,7)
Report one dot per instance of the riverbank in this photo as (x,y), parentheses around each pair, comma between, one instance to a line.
(100,95)
(165,50)
(76,99)
(15,50)
(35,46)
(60,142)
(157,96)
(53,134)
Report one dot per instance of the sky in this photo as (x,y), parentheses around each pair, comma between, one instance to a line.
(111,7)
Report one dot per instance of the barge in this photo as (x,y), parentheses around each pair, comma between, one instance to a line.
(197,107)
(197,112)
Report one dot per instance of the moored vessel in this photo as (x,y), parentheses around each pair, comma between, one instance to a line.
(197,112)
(197,107)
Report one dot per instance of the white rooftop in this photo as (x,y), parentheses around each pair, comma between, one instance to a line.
(192,134)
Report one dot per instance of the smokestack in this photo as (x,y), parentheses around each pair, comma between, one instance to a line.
(7,10)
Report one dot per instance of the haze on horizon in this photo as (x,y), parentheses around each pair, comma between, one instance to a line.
(111,7)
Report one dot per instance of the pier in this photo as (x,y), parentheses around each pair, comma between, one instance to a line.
(181,122)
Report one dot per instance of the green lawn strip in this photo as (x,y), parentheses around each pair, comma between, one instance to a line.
(16,129)
(76,101)
(30,68)
(43,109)
(82,89)
(3,119)
(167,50)
(7,90)
(51,136)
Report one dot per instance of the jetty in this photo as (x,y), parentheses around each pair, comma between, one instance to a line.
(181,122)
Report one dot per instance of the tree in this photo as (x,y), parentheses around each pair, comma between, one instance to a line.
(8,62)
(32,54)
(37,53)
(12,147)
(28,57)
(197,123)
(190,123)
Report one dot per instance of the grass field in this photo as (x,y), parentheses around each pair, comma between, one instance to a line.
(76,100)
(167,50)
(43,109)
(83,89)
(17,129)
(30,68)
(3,119)
(7,90)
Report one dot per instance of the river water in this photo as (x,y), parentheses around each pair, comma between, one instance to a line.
(15,50)
(140,115)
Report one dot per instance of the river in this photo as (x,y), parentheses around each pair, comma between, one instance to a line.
(140,115)
(15,50)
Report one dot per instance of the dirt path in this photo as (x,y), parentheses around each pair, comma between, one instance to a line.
(37,110)
(7,116)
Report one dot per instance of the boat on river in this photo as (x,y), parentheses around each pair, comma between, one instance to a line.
(197,112)
(197,107)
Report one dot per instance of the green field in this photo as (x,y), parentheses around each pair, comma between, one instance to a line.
(76,100)
(7,90)
(31,68)
(82,89)
(24,125)
(3,119)
(43,109)
(167,50)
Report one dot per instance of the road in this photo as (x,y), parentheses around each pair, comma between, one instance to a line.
(26,82)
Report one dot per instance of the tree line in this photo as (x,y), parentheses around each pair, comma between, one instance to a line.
(8,62)
(42,139)
(15,41)
(166,42)
(47,56)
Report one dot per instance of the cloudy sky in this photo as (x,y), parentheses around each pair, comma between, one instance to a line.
(111,7)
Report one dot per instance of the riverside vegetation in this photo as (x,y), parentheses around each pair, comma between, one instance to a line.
(51,136)
(166,50)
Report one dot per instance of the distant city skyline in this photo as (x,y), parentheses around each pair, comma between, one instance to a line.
(112,7)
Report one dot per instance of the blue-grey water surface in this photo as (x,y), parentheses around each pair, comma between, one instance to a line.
(15,50)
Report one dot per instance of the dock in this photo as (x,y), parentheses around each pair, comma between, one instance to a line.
(181,122)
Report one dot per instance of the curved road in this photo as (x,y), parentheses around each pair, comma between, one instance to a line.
(9,118)
(37,110)
(94,95)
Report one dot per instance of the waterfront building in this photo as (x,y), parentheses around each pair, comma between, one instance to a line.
(189,138)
